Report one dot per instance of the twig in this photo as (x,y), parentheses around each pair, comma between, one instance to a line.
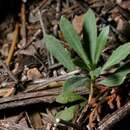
(49,83)
(28,120)
(42,4)
(68,124)
(58,9)
(41,22)
(113,29)
(33,88)
(11,51)
(23,27)
(83,113)
(36,34)
(52,62)
(49,127)
(54,66)
(108,122)
(68,10)
(46,81)
(25,99)
(8,71)
(20,116)
(55,31)
(44,32)
(67,3)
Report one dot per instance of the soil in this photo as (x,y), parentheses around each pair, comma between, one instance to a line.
(31,78)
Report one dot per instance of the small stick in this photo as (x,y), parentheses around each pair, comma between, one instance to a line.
(67,3)
(11,51)
(41,5)
(8,71)
(58,9)
(109,121)
(46,81)
(28,120)
(55,31)
(83,113)
(69,9)
(36,34)
(23,20)
(20,116)
(44,32)
(54,66)
(49,127)
(41,22)
(68,124)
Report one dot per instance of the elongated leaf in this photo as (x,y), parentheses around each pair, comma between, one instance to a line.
(80,63)
(91,31)
(75,82)
(118,77)
(67,114)
(101,42)
(58,51)
(68,97)
(119,54)
(73,39)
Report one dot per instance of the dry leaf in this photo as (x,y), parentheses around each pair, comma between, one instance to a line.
(118,101)
(111,100)
(5,92)
(125,4)
(33,74)
(92,119)
(35,120)
(103,89)
(78,23)
(6,125)
(4,50)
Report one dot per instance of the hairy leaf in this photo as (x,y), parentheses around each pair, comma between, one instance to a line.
(91,31)
(75,82)
(67,114)
(59,52)
(68,97)
(73,39)
(118,77)
(119,54)
(101,42)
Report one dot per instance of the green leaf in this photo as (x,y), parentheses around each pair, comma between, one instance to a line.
(59,52)
(74,82)
(118,77)
(73,39)
(78,62)
(68,97)
(67,114)
(95,73)
(91,31)
(119,54)
(101,42)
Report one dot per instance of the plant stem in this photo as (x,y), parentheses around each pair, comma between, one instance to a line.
(91,93)
(11,50)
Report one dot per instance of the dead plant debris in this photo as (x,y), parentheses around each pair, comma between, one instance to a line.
(31,78)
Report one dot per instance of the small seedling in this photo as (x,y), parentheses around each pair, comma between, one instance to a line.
(89,50)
